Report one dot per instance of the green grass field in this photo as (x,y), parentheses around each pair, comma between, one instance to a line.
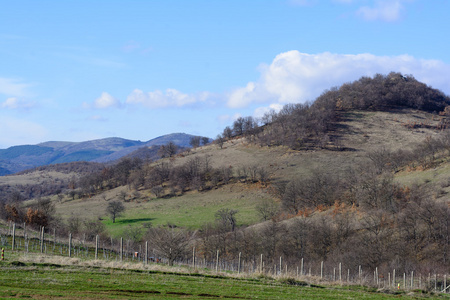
(55,281)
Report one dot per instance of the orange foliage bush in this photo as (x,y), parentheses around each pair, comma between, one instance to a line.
(35,217)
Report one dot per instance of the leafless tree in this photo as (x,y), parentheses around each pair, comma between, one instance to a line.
(220,140)
(267,209)
(227,217)
(168,150)
(169,243)
(205,140)
(115,209)
(195,141)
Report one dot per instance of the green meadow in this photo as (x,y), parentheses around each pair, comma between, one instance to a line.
(56,281)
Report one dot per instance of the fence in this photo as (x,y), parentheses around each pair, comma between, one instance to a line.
(124,251)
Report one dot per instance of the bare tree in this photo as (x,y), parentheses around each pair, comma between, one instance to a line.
(195,141)
(168,150)
(157,190)
(267,209)
(227,217)
(169,243)
(115,209)
(205,140)
(220,140)
(228,132)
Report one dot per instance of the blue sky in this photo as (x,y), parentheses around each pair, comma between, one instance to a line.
(81,70)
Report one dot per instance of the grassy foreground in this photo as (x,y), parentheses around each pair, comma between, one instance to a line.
(24,278)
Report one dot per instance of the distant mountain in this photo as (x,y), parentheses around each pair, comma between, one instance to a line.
(19,158)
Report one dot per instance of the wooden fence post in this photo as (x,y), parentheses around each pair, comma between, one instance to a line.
(96,247)
(13,236)
(42,239)
(239,263)
(193,258)
(281,266)
(376,276)
(121,249)
(360,275)
(217,261)
(321,269)
(445,284)
(146,253)
(393,278)
(70,244)
(261,265)
(301,267)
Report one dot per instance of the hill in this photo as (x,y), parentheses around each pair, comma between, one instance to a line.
(325,182)
(19,158)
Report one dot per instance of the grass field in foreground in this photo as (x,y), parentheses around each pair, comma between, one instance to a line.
(54,281)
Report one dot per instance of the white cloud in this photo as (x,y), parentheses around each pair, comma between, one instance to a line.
(106,101)
(384,10)
(16,103)
(169,98)
(20,132)
(295,77)
(14,87)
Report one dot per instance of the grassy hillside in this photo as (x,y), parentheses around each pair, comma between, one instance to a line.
(372,209)
(360,132)
(70,278)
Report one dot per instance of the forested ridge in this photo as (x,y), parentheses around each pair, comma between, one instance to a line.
(357,215)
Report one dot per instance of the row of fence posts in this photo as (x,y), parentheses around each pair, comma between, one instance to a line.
(278,270)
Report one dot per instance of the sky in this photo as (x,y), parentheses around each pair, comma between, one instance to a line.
(82,70)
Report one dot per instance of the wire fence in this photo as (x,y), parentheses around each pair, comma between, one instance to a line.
(19,239)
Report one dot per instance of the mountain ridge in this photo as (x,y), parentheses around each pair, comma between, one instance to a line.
(21,157)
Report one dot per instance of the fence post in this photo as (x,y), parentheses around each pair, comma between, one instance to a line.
(217,261)
(121,249)
(404,281)
(96,247)
(239,263)
(42,239)
(321,269)
(281,266)
(193,258)
(301,267)
(261,265)
(70,244)
(376,276)
(393,278)
(445,284)
(412,279)
(340,273)
(146,252)
(435,282)
(360,275)
(54,239)
(13,236)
